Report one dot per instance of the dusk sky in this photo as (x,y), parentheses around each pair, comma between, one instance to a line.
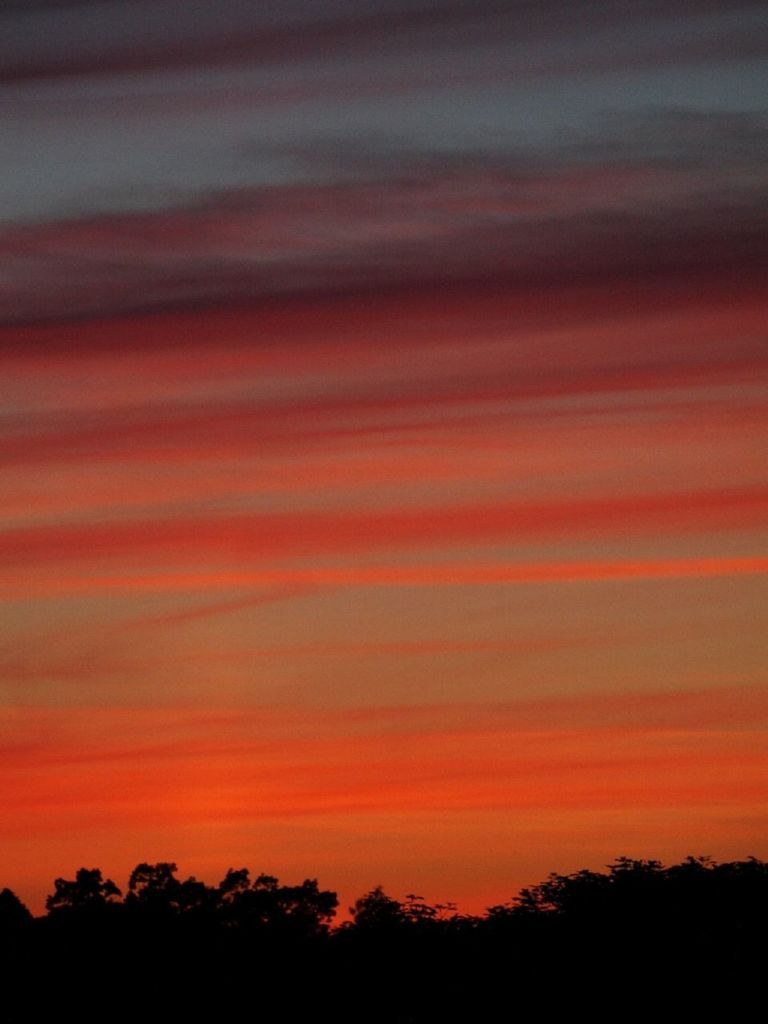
(383,435)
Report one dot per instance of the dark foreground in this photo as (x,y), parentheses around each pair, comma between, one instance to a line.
(635,941)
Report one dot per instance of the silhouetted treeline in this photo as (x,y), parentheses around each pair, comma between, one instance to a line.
(685,937)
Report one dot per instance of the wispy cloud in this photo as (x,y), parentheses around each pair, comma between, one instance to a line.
(383,433)
(648,751)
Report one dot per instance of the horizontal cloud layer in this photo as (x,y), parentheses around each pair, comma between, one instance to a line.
(383,437)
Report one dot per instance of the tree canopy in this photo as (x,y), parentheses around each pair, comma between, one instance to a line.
(191,947)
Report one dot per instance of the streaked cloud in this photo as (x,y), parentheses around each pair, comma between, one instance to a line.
(383,437)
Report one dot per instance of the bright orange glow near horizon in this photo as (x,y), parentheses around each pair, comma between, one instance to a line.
(516,620)
(384,476)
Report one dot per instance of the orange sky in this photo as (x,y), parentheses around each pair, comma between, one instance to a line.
(383,441)
(449,641)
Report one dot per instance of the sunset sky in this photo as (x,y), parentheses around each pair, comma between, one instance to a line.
(383,435)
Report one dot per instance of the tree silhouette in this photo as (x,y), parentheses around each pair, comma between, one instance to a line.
(88,891)
(233,883)
(14,916)
(376,910)
(264,905)
(154,886)
(637,926)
